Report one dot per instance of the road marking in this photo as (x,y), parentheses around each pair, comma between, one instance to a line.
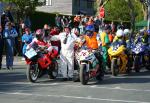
(75,86)
(33,84)
(110,88)
(72,97)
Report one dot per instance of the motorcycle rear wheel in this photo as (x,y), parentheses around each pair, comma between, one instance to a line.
(53,71)
(84,75)
(32,72)
(136,64)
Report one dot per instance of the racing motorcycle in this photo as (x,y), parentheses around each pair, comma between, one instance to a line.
(40,62)
(88,66)
(140,56)
(118,58)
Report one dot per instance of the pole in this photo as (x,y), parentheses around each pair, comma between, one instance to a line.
(1,10)
(148,24)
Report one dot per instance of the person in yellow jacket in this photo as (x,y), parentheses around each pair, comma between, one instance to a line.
(104,46)
(120,37)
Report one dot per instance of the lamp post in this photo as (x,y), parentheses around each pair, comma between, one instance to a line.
(148,24)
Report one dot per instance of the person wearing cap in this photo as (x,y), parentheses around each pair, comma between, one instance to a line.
(67,40)
(26,39)
(9,34)
(105,45)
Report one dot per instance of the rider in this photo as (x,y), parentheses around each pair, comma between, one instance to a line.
(90,37)
(91,42)
(119,38)
(39,41)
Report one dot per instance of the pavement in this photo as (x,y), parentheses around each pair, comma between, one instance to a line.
(18,62)
(15,88)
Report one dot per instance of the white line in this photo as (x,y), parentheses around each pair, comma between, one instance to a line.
(73,97)
(75,86)
(115,88)
(33,84)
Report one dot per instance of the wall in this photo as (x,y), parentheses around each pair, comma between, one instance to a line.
(59,6)
(83,6)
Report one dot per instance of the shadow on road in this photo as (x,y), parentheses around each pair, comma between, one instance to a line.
(142,77)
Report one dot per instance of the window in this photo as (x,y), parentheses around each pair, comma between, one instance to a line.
(48,2)
(90,4)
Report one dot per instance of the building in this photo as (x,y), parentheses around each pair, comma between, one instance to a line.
(70,7)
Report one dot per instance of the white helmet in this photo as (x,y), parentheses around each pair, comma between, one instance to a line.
(126,31)
(119,33)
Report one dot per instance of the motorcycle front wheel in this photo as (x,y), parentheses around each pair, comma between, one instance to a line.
(114,67)
(84,75)
(136,64)
(32,72)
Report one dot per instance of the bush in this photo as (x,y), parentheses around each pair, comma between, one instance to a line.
(38,19)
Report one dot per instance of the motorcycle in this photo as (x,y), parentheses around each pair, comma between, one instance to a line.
(140,56)
(118,58)
(88,66)
(40,62)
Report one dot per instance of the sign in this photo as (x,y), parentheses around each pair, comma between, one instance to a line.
(101,12)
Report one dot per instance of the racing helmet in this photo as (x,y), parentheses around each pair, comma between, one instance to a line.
(148,31)
(39,33)
(89,30)
(126,31)
(119,33)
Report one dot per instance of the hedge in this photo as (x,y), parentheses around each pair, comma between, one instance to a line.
(38,19)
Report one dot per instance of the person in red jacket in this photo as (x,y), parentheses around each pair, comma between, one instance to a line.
(53,32)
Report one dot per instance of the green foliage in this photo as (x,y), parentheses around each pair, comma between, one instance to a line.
(117,10)
(24,7)
(138,10)
(120,11)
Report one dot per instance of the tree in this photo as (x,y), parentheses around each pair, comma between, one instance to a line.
(23,7)
(144,8)
(117,10)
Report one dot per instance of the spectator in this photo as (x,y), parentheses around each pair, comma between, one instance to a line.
(67,52)
(26,39)
(70,21)
(105,45)
(9,34)
(58,21)
(4,20)
(46,31)
(64,22)
(82,27)
(2,45)
(27,22)
(53,32)
(9,14)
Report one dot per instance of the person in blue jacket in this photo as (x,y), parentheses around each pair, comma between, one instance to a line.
(26,39)
(9,35)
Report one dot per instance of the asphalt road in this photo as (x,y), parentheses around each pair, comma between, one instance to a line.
(14,88)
